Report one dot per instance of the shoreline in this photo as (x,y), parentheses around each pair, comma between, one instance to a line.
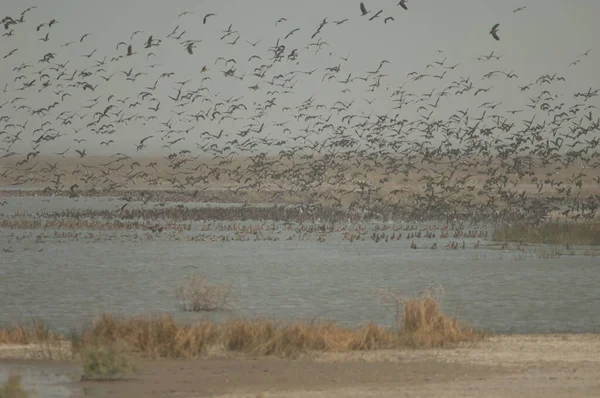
(503,366)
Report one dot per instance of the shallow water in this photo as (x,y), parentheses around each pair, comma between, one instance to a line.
(44,379)
(69,281)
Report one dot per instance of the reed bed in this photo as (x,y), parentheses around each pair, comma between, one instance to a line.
(423,325)
(584,233)
(34,332)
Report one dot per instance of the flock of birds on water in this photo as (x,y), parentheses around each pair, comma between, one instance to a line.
(402,157)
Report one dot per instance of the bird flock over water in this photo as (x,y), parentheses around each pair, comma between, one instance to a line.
(378,142)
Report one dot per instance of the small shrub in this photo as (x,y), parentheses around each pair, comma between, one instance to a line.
(421,323)
(104,363)
(199,295)
(12,388)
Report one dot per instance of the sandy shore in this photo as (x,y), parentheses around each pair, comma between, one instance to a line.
(504,366)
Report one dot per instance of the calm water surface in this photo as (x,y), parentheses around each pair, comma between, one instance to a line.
(69,282)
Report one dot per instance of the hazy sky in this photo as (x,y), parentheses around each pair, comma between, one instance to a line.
(544,38)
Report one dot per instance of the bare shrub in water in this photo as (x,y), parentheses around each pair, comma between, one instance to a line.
(199,295)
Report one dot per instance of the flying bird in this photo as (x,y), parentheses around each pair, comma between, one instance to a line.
(494,31)
(363,9)
(402,4)
(376,15)
(190,47)
(519,9)
(206,17)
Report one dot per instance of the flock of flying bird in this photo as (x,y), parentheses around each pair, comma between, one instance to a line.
(474,161)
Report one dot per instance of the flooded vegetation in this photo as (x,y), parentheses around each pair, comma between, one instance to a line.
(556,233)
(420,325)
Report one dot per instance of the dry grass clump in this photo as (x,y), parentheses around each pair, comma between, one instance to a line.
(421,322)
(36,331)
(156,336)
(161,337)
(263,337)
(13,388)
(199,295)
(583,233)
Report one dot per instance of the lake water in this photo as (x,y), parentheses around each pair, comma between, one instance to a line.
(46,379)
(68,280)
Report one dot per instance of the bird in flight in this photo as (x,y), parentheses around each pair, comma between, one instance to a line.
(494,31)
(402,4)
(519,9)
(206,17)
(363,9)
(190,45)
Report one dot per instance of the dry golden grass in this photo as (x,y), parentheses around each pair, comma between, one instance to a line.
(36,331)
(421,322)
(583,233)
(422,325)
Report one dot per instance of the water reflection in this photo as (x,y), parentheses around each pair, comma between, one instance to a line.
(47,379)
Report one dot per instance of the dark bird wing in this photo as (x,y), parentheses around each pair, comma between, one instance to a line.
(363,9)
(494,32)
(206,17)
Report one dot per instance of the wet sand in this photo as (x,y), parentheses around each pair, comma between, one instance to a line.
(503,366)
